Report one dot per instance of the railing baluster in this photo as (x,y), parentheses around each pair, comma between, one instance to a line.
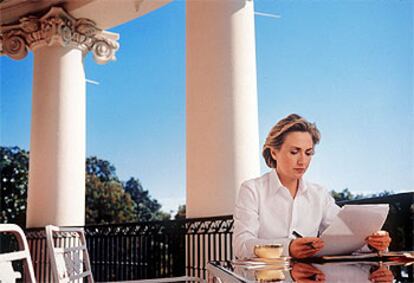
(140,259)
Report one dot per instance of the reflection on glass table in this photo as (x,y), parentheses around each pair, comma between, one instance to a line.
(394,270)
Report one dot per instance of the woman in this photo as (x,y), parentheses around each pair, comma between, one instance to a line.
(280,205)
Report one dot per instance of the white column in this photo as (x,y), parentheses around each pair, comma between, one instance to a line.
(56,193)
(57,146)
(222,115)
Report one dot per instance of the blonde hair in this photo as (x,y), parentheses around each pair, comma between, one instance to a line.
(277,135)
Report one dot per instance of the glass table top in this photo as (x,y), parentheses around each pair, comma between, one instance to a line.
(354,270)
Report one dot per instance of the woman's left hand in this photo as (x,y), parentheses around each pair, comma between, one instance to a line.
(379,240)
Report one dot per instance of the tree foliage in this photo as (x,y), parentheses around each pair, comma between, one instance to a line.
(181,214)
(100,168)
(346,194)
(107,200)
(111,201)
(148,209)
(383,194)
(14,168)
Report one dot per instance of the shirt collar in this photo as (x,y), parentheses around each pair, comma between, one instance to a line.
(302,186)
(275,181)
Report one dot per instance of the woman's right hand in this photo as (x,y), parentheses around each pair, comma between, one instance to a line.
(305,247)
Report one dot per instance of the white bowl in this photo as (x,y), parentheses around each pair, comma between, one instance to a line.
(268,251)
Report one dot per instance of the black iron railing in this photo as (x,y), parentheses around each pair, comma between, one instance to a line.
(137,251)
(207,239)
(146,250)
(183,247)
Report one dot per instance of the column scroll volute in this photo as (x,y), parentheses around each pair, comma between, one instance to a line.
(59,28)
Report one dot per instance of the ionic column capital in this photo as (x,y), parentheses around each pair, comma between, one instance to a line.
(57,28)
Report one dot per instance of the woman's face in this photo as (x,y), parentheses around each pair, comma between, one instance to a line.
(294,156)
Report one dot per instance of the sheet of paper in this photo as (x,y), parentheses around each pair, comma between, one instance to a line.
(351,226)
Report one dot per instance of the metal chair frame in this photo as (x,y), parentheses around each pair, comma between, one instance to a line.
(7,272)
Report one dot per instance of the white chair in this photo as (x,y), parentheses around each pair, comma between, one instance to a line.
(7,273)
(68,254)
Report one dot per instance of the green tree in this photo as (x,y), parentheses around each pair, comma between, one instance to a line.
(107,202)
(100,168)
(148,209)
(181,212)
(106,199)
(161,215)
(345,195)
(382,194)
(14,166)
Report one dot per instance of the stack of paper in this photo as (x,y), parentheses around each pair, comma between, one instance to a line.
(348,231)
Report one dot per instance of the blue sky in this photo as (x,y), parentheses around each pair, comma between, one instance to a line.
(347,65)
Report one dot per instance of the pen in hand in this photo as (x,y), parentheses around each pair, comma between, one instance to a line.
(297,235)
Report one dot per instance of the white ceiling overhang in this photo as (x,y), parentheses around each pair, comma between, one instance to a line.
(105,13)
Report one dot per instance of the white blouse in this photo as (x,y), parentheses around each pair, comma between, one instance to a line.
(266,213)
